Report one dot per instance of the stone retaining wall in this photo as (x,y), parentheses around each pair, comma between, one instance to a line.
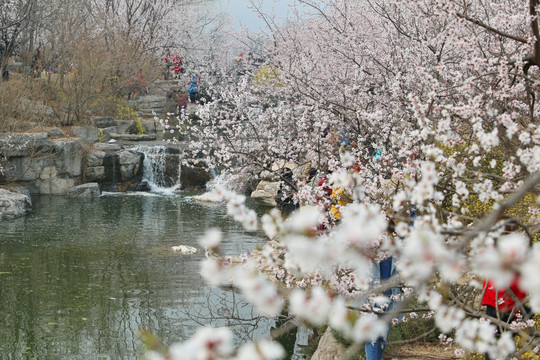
(44,163)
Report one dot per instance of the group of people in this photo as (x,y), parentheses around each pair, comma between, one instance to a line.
(174,65)
(177,101)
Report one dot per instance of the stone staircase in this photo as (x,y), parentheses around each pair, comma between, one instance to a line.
(149,106)
(154,103)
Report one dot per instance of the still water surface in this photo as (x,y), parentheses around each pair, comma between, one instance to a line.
(79,278)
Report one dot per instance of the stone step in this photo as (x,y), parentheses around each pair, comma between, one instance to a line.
(133,137)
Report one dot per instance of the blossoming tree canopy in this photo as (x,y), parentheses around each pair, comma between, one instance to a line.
(425,108)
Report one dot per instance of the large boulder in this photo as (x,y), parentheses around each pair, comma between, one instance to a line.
(130,164)
(69,157)
(24,169)
(328,348)
(85,190)
(266,190)
(193,177)
(95,158)
(13,204)
(128,157)
(87,135)
(33,157)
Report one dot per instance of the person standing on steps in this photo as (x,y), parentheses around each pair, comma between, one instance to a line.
(193,89)
(171,102)
(182,102)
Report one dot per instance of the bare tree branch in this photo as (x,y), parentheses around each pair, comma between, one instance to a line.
(492,29)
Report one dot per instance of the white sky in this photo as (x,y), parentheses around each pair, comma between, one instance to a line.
(246,17)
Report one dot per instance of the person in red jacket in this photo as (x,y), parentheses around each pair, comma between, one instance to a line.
(182,102)
(497,298)
(500,303)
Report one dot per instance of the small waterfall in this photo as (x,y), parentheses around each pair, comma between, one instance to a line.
(156,170)
(224,180)
(114,171)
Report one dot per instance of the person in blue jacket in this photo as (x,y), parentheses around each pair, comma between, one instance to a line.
(384,270)
(193,89)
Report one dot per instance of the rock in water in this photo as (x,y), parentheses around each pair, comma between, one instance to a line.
(210,197)
(183,249)
(85,190)
(13,205)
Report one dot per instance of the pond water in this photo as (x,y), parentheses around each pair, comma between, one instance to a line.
(80,278)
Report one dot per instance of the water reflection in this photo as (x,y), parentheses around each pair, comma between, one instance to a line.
(79,278)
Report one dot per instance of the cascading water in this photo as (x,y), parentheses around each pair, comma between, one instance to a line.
(223,180)
(155,169)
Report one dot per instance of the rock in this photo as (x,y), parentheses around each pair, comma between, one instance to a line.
(328,348)
(13,204)
(184,249)
(56,186)
(95,158)
(142,186)
(191,177)
(48,172)
(130,164)
(266,190)
(95,173)
(54,132)
(111,162)
(122,126)
(106,132)
(299,171)
(36,108)
(128,172)
(133,137)
(33,157)
(150,126)
(85,190)
(107,147)
(209,197)
(86,134)
(68,159)
(128,157)
(21,190)
(104,122)
(24,169)
(109,188)
(24,144)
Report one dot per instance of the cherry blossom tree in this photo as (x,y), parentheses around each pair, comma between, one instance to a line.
(426,107)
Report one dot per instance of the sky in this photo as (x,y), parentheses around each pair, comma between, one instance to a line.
(243,16)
